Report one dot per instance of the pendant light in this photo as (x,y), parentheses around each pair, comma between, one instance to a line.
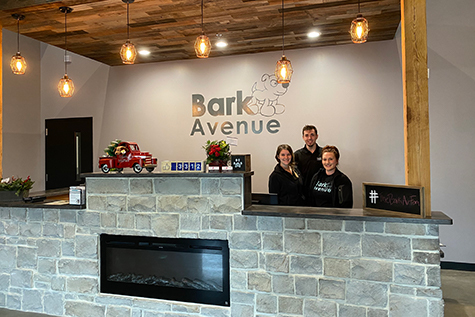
(128,53)
(202,43)
(359,28)
(18,63)
(65,86)
(283,68)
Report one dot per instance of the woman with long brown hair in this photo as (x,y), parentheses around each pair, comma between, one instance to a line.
(285,180)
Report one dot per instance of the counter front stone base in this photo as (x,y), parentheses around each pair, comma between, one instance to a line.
(49,259)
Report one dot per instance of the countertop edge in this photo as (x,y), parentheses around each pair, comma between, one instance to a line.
(353,214)
(42,205)
(159,174)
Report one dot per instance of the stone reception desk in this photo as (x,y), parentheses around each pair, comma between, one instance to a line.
(284,261)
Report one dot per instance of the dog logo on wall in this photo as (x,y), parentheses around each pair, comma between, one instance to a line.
(265,96)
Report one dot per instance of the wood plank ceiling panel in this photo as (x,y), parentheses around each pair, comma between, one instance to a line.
(168,28)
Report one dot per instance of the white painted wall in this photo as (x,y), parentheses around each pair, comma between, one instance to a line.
(30,99)
(90,81)
(451,49)
(21,111)
(352,93)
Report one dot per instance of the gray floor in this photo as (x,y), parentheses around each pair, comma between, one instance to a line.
(14,313)
(458,288)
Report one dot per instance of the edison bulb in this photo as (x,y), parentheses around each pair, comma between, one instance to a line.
(359,29)
(66,87)
(128,53)
(283,70)
(202,46)
(18,64)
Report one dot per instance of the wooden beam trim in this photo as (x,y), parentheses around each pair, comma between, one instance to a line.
(416,96)
(1,102)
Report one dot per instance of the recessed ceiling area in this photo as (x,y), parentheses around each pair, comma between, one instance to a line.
(168,28)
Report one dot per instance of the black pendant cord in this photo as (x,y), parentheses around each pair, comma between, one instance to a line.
(18,36)
(65,42)
(202,30)
(283,52)
(358,6)
(18,17)
(128,35)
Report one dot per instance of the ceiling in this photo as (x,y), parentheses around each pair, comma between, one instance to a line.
(168,28)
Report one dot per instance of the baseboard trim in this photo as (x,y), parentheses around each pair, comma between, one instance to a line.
(457,266)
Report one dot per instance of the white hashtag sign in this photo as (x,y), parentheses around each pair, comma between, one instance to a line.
(373,195)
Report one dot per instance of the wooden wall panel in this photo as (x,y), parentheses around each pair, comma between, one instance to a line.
(1,102)
(416,95)
(97,28)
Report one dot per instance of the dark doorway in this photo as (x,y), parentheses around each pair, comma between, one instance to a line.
(68,151)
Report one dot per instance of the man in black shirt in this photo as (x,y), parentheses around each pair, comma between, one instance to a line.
(309,158)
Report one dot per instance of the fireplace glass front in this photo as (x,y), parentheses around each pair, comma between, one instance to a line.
(189,270)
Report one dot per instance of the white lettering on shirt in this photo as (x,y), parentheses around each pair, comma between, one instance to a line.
(324,187)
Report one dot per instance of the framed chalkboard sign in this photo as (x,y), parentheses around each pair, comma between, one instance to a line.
(399,198)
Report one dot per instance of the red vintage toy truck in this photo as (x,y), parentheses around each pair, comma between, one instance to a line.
(128,154)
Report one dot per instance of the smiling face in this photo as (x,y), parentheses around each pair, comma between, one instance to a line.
(310,138)
(329,162)
(285,158)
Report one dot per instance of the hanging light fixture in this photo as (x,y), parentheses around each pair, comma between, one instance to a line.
(283,68)
(18,63)
(128,53)
(65,86)
(202,43)
(359,28)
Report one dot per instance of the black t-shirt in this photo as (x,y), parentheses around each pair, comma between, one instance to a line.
(322,191)
(308,163)
(337,185)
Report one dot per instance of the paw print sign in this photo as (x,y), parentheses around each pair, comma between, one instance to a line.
(241,162)
(237,163)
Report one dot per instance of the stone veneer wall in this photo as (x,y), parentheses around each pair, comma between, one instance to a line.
(279,266)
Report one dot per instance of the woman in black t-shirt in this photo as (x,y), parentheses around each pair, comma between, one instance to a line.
(285,180)
(330,187)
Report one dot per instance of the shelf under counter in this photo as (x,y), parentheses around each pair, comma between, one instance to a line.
(352,214)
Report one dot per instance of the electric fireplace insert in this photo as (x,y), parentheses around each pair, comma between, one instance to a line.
(189,270)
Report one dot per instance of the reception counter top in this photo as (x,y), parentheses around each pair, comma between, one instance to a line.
(354,214)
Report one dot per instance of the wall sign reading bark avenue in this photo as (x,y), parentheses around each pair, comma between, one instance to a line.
(264,101)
